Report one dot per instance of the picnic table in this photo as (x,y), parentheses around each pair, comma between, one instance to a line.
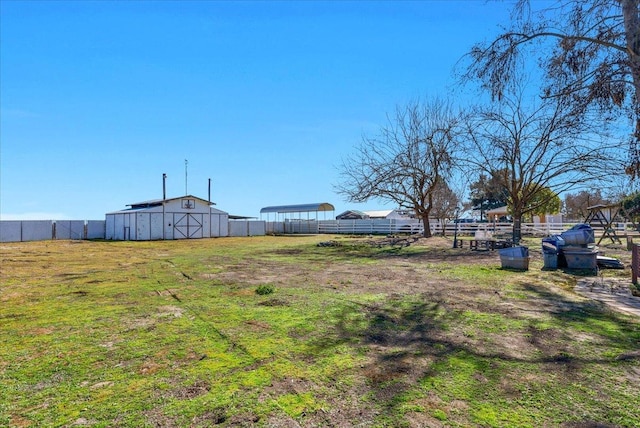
(484,240)
(489,244)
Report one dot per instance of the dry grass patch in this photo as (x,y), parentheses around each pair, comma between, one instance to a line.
(174,334)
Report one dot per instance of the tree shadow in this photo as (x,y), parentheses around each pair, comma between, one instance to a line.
(408,339)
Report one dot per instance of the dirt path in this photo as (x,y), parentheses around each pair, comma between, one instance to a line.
(613,292)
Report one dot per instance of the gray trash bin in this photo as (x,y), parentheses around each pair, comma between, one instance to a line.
(515,258)
(550,260)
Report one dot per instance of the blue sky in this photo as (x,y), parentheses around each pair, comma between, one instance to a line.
(99,99)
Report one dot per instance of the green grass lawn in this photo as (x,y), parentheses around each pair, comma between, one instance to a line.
(278,331)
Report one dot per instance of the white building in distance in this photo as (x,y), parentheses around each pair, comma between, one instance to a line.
(185,217)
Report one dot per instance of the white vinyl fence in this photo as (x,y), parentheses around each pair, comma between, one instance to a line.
(42,230)
(247,228)
(390,226)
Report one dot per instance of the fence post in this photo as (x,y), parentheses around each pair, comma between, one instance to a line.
(635,259)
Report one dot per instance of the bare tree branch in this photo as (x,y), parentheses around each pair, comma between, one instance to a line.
(530,150)
(593,57)
(406,163)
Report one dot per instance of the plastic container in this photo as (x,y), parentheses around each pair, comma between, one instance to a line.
(520,263)
(580,234)
(550,260)
(555,240)
(514,258)
(609,263)
(517,252)
(580,226)
(581,258)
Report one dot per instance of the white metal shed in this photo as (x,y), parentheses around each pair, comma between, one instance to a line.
(185,217)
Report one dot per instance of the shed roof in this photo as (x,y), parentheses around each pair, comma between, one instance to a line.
(503,210)
(155,203)
(352,215)
(379,213)
(321,206)
(158,202)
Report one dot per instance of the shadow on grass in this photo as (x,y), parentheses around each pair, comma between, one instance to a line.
(412,340)
(375,251)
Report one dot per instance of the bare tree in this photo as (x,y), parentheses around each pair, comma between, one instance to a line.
(542,149)
(445,204)
(576,204)
(589,50)
(407,161)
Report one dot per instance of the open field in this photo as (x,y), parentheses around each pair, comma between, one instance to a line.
(278,331)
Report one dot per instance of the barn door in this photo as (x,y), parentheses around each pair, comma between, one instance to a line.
(187,226)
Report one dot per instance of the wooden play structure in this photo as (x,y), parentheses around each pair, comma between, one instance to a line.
(602,217)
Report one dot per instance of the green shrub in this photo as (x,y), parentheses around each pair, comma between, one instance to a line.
(265,289)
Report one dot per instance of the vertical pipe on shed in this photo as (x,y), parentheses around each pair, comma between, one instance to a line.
(164,186)
(164,198)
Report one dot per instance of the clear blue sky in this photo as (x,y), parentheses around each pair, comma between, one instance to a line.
(99,99)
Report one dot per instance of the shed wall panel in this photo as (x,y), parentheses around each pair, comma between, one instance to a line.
(119,226)
(143,227)
(168,226)
(109,226)
(129,227)
(156,226)
(198,231)
(219,225)
(224,225)
(214,225)
(206,225)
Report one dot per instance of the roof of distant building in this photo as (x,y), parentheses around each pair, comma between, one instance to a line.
(300,208)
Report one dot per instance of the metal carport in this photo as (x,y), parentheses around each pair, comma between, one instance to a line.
(300,209)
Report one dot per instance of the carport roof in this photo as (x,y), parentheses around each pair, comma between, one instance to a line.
(300,208)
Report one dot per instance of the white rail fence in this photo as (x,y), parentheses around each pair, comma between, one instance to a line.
(40,230)
(386,227)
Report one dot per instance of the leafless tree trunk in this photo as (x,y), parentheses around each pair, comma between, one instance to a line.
(445,202)
(407,161)
(576,204)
